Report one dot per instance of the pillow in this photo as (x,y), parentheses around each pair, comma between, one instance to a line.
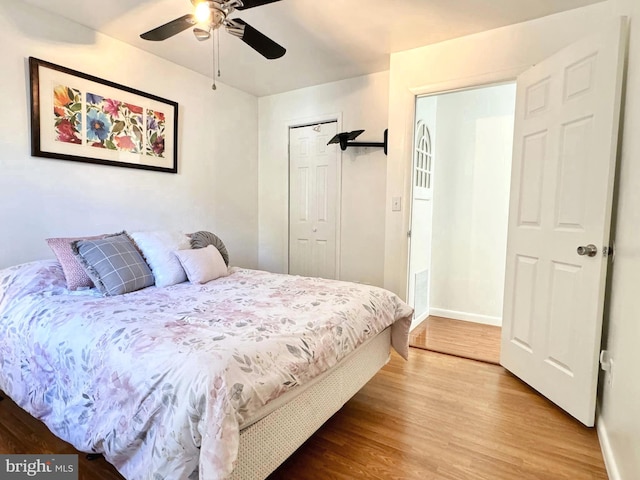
(74,274)
(114,264)
(202,239)
(202,265)
(157,249)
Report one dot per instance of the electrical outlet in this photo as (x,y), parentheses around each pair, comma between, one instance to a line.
(396,204)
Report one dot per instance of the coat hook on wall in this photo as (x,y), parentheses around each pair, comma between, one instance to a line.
(345,140)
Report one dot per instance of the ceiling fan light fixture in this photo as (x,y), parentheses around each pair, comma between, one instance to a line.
(201,34)
(209,15)
(203,12)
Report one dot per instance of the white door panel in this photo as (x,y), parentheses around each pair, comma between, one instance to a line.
(313,201)
(567,113)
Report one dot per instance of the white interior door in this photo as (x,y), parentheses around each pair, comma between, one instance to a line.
(421,221)
(566,131)
(313,193)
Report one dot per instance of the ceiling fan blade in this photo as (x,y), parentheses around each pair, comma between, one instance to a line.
(254,3)
(256,40)
(170,29)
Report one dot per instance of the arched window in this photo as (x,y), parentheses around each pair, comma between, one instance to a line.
(424,158)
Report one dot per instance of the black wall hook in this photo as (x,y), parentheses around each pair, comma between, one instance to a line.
(345,140)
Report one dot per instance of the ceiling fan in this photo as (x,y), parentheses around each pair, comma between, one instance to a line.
(212,14)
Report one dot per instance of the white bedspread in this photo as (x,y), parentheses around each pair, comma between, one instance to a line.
(159,380)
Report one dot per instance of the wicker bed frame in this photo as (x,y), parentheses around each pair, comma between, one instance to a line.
(265,444)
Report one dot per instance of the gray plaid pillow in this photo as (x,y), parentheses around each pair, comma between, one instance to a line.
(113,264)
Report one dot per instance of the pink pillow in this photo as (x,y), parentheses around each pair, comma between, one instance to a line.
(73,271)
(202,264)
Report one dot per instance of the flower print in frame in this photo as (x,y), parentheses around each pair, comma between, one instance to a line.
(114,124)
(80,117)
(155,133)
(67,111)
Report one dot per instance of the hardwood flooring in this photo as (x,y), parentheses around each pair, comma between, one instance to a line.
(434,417)
(456,337)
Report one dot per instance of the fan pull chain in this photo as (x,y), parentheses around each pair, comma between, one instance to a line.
(215,39)
(218,41)
(213,52)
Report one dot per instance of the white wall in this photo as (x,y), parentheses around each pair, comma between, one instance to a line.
(358,103)
(619,422)
(471,202)
(215,188)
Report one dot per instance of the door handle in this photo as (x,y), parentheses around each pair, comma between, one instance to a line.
(588,250)
(315,229)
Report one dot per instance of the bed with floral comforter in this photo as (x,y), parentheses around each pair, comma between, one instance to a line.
(160,380)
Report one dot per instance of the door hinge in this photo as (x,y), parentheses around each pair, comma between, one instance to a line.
(409,234)
(608,251)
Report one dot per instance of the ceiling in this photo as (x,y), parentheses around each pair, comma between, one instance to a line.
(325,40)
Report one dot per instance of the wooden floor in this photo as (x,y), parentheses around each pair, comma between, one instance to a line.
(434,417)
(455,337)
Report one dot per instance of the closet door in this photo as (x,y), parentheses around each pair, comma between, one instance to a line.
(313,193)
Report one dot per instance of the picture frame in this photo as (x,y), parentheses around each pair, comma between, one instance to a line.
(80,117)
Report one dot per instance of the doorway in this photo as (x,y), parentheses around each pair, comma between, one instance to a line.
(459,211)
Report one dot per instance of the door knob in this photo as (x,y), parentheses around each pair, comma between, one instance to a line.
(315,229)
(588,250)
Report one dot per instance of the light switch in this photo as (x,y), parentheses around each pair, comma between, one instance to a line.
(396,204)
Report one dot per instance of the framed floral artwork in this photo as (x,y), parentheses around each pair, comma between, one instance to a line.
(76,116)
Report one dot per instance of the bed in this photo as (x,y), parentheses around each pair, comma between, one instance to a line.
(213,381)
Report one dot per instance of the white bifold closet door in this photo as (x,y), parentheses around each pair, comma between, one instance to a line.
(313,194)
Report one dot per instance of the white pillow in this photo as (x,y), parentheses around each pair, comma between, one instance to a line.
(158,248)
(202,264)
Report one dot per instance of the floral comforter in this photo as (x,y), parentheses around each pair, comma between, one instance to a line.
(160,380)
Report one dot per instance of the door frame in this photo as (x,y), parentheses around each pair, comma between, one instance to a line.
(431,91)
(307,122)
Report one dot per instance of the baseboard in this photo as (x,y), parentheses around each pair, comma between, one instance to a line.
(466,316)
(607,452)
